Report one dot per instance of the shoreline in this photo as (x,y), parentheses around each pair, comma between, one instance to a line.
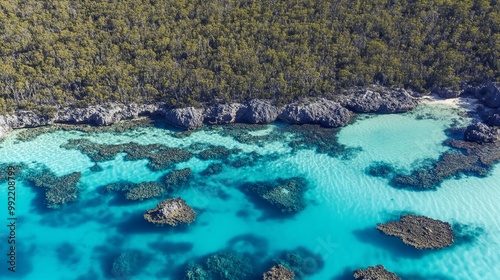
(325,112)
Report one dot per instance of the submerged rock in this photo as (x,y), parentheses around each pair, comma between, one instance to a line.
(481,133)
(196,271)
(145,190)
(177,179)
(379,100)
(420,232)
(375,273)
(323,112)
(187,118)
(301,262)
(127,265)
(470,158)
(278,272)
(171,212)
(229,266)
(286,195)
(58,190)
(212,169)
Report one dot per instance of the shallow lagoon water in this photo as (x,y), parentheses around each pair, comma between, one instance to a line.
(344,204)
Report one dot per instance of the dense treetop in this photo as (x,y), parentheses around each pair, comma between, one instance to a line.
(189,51)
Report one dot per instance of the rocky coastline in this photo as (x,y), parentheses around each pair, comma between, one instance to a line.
(327,113)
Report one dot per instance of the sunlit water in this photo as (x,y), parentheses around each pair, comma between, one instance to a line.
(81,239)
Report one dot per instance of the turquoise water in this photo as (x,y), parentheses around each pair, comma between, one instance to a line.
(81,239)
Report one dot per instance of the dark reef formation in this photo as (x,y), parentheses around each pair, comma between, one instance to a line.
(212,169)
(128,264)
(58,190)
(229,265)
(470,158)
(145,190)
(375,273)
(301,262)
(285,195)
(217,152)
(177,179)
(171,212)
(278,272)
(134,191)
(420,232)
(160,157)
(380,169)
(225,265)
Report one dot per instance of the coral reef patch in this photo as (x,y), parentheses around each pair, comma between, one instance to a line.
(420,232)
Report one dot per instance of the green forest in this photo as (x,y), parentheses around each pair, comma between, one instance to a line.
(184,52)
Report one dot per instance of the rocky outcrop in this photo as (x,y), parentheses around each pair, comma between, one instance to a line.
(445,92)
(278,272)
(420,232)
(493,118)
(489,95)
(222,113)
(170,212)
(379,100)
(187,118)
(481,133)
(258,111)
(98,115)
(323,112)
(375,273)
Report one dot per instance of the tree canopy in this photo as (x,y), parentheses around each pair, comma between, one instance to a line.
(189,51)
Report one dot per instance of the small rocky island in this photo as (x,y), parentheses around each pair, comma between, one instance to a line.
(420,232)
(375,273)
(278,272)
(171,212)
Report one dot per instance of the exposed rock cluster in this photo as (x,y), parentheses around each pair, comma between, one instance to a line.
(375,273)
(420,232)
(278,272)
(324,112)
(171,212)
(321,111)
(481,133)
(379,100)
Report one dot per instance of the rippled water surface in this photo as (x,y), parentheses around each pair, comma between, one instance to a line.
(81,239)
